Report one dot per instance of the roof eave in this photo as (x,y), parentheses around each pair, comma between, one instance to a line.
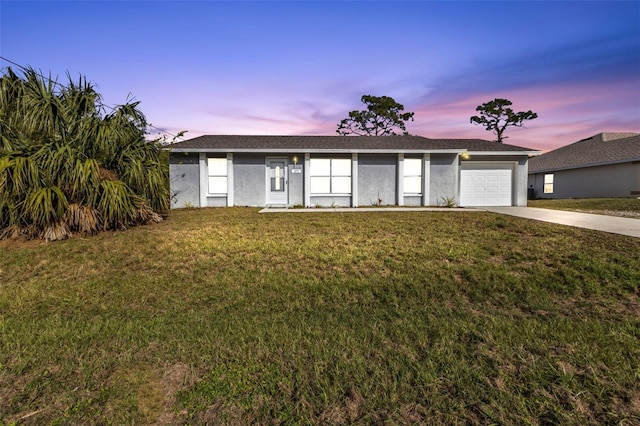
(527,153)
(320,151)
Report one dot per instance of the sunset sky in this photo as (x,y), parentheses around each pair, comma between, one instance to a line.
(299,67)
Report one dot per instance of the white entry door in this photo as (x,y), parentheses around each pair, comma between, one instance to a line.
(486,186)
(277,181)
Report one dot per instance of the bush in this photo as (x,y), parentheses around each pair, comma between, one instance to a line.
(67,165)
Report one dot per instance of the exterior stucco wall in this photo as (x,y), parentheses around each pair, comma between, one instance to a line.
(444,178)
(296,181)
(377,179)
(249,183)
(250,174)
(217,201)
(331,201)
(614,180)
(521,176)
(412,200)
(184,179)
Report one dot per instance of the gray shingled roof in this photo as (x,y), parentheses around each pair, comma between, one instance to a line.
(236,143)
(597,150)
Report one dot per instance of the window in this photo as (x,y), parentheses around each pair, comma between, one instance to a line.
(330,175)
(217,172)
(412,175)
(276,176)
(548,184)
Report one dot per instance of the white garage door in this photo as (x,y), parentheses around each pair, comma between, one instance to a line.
(485,187)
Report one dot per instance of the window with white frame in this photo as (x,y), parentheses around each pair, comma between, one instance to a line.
(217,172)
(330,175)
(412,175)
(548,183)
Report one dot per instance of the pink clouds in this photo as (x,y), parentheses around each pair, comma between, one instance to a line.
(573,103)
(567,113)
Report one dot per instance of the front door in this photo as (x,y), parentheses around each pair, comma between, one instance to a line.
(277,181)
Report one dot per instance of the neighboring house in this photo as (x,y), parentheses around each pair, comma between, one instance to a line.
(604,165)
(346,171)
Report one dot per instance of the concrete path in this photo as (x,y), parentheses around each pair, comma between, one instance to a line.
(616,225)
(363,209)
(613,224)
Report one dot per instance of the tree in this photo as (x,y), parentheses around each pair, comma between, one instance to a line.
(69,165)
(496,116)
(382,116)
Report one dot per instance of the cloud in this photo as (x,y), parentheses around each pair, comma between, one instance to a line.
(588,61)
(578,88)
(567,113)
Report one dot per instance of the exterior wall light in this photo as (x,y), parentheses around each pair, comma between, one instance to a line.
(295,159)
(465,156)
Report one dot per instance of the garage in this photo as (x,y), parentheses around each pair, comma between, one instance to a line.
(486,184)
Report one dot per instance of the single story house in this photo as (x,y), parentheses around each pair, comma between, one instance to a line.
(218,170)
(604,165)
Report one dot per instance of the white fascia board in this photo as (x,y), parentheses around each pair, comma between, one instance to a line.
(199,150)
(505,153)
(325,151)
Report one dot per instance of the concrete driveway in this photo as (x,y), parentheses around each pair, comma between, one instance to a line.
(613,224)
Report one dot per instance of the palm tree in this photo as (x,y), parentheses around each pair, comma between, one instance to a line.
(67,165)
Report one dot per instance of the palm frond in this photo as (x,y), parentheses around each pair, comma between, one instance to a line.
(45,206)
(56,231)
(18,174)
(146,215)
(83,219)
(11,232)
(117,204)
(9,213)
(43,108)
(58,160)
(84,181)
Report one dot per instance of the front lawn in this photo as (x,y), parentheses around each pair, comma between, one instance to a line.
(227,316)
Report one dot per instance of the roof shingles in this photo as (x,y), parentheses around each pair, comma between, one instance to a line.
(231,143)
(594,151)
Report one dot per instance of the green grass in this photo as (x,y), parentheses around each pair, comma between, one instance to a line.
(611,206)
(226,316)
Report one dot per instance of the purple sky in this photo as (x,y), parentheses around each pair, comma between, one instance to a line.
(300,67)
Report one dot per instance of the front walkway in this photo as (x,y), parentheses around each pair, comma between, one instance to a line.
(613,224)
(598,222)
(362,209)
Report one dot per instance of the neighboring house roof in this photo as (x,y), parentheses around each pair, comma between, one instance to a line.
(345,144)
(598,150)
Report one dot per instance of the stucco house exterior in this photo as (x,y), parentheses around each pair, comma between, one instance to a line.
(341,171)
(604,165)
